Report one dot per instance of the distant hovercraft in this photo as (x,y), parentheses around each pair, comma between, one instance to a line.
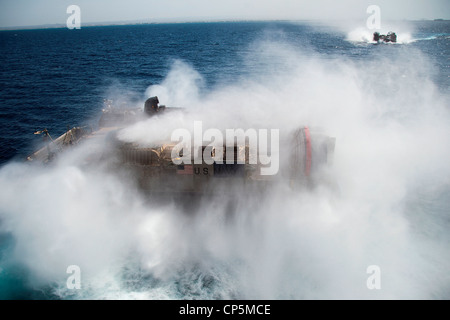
(389,37)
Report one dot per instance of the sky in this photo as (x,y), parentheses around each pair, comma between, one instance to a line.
(41,12)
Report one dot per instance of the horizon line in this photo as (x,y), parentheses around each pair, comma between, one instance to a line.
(175,21)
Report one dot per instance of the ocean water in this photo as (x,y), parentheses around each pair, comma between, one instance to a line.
(386,104)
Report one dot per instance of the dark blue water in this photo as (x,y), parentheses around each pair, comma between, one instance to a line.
(58,78)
